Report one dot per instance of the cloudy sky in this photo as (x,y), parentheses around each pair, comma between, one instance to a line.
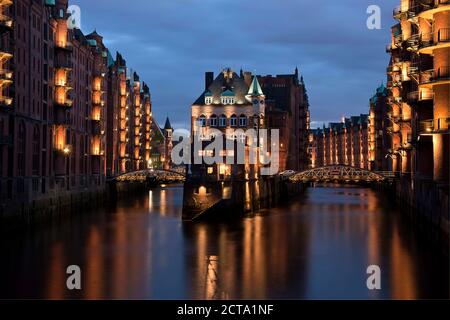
(171,43)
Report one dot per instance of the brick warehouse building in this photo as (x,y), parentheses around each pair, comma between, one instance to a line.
(224,105)
(419,83)
(287,109)
(343,143)
(62,99)
(419,100)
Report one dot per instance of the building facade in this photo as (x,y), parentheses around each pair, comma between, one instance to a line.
(287,109)
(60,108)
(229,102)
(419,83)
(380,117)
(343,143)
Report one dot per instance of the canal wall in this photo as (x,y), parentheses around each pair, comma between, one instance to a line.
(203,199)
(19,213)
(427,204)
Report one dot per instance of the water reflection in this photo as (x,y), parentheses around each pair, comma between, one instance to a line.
(317,246)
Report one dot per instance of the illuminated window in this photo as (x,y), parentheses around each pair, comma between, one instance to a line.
(233,121)
(210,170)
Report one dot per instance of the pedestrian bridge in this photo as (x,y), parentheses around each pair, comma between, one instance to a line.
(149,175)
(340,173)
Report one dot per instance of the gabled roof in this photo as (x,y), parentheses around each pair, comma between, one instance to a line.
(221,84)
(228,93)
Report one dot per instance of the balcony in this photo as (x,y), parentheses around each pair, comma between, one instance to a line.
(434,77)
(6,23)
(418,96)
(431,41)
(64,103)
(61,117)
(66,64)
(392,131)
(413,42)
(5,78)
(6,102)
(64,46)
(399,13)
(429,7)
(96,127)
(435,126)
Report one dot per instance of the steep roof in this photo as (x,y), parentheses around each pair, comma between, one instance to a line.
(167,126)
(222,84)
(255,88)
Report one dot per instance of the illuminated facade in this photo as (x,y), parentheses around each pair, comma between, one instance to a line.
(129,120)
(229,102)
(56,94)
(344,143)
(287,109)
(380,118)
(419,82)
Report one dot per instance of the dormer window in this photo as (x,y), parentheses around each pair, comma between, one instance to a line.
(208,97)
(228,97)
(228,100)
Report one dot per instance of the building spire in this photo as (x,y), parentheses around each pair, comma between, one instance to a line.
(255,88)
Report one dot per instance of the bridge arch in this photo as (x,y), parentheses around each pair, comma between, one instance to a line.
(159,174)
(339,173)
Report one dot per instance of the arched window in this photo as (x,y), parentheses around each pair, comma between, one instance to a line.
(36,150)
(233,121)
(223,121)
(213,121)
(243,121)
(202,121)
(21,148)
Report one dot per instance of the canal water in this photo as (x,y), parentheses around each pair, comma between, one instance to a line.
(318,246)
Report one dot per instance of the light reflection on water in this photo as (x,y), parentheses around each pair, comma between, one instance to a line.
(317,246)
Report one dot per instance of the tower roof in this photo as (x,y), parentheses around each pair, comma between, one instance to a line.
(167,126)
(255,88)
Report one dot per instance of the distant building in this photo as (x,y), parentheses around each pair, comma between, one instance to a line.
(343,143)
(162,145)
(70,114)
(287,109)
(380,118)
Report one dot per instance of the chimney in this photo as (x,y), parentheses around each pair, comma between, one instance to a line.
(209,78)
(248,78)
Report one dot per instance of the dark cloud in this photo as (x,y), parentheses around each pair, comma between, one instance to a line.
(171,43)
